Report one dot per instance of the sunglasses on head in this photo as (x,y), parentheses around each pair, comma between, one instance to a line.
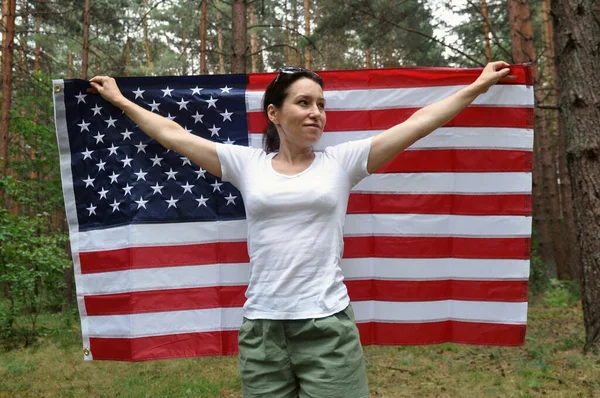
(292,70)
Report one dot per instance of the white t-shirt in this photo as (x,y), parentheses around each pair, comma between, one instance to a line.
(295,228)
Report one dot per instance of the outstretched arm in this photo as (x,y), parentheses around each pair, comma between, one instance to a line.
(170,134)
(387,145)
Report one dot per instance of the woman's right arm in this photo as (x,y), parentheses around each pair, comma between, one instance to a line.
(171,135)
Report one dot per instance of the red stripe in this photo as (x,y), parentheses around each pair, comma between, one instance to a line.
(163,256)
(392,78)
(372,333)
(459,160)
(440,332)
(359,290)
(381,119)
(463,204)
(355,247)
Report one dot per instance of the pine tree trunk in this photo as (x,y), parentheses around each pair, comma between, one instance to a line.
(288,43)
(486,30)
(37,52)
(577,44)
(220,40)
(307,57)
(70,65)
(546,207)
(96,57)
(86,40)
(8,45)
(253,40)
(183,51)
(238,18)
(146,40)
(296,55)
(127,55)
(203,70)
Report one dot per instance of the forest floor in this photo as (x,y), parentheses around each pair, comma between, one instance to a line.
(550,363)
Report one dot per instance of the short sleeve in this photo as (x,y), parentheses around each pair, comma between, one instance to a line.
(234,159)
(352,157)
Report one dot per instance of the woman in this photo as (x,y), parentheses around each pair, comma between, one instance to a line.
(299,336)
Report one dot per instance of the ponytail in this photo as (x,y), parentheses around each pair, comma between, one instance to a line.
(271,139)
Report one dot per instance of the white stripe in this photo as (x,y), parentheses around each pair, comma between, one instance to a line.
(198,276)
(142,235)
(436,225)
(446,137)
(440,183)
(410,97)
(215,319)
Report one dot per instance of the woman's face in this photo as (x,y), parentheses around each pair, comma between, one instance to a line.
(301,118)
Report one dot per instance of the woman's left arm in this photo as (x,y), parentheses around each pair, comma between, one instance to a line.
(385,146)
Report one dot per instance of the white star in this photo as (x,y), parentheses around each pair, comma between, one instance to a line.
(80,98)
(99,137)
(182,104)
(110,121)
(229,141)
(96,110)
(187,130)
(197,117)
(171,117)
(156,160)
(126,161)
(214,130)
(171,174)
(230,199)
(154,105)
(185,161)
(103,193)
(87,154)
(200,173)
(196,90)
(226,115)
(172,202)
(157,188)
(141,147)
(141,202)
(126,135)
(113,149)
(83,125)
(202,201)
(212,102)
(113,177)
(100,165)
(141,175)
(127,189)
(89,181)
(115,205)
(226,90)
(216,186)
(92,209)
(138,93)
(167,91)
(187,187)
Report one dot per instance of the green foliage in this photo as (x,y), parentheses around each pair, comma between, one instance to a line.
(562,293)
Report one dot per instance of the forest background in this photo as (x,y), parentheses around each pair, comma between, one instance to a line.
(48,39)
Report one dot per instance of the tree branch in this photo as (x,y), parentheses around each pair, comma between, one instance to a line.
(492,31)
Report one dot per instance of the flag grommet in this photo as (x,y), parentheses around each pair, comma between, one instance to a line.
(86,351)
(57,88)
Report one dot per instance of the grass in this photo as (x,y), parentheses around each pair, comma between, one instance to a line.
(549,364)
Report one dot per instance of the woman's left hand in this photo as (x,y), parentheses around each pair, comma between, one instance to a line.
(492,74)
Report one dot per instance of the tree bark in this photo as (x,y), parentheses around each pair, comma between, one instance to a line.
(146,40)
(546,207)
(577,44)
(296,54)
(238,17)
(37,52)
(70,65)
(127,55)
(183,50)
(307,56)
(253,40)
(203,70)
(86,39)
(486,31)
(8,45)
(288,49)
(220,40)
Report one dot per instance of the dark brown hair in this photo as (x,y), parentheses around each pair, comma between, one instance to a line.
(275,94)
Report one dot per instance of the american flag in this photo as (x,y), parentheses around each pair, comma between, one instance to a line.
(437,242)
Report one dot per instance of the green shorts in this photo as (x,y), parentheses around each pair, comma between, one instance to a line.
(319,357)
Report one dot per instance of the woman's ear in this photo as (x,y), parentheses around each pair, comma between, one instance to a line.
(272,114)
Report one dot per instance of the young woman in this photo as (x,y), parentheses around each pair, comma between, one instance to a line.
(298,337)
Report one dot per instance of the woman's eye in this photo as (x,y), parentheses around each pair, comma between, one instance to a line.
(303,102)
(322,106)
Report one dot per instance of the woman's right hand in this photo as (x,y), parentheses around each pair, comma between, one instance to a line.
(107,87)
